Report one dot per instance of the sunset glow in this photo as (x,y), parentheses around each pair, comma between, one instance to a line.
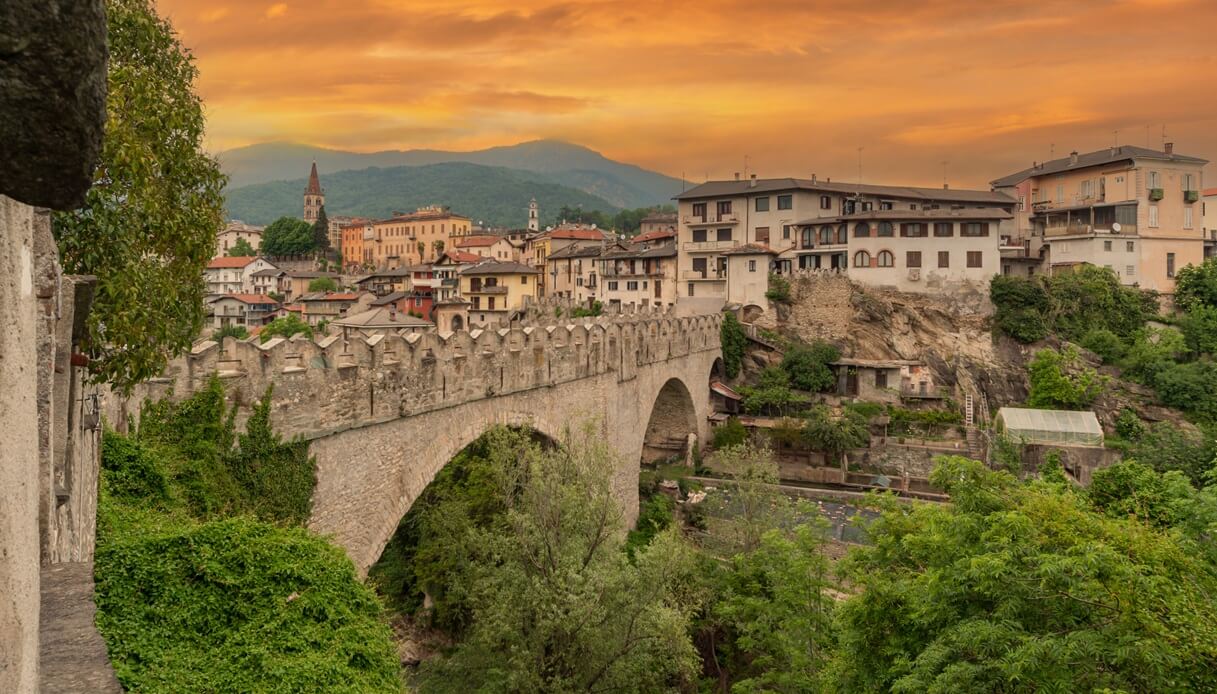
(695,87)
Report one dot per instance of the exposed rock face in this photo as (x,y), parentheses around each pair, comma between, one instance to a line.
(52,99)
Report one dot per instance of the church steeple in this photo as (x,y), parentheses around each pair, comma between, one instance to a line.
(534,223)
(314,196)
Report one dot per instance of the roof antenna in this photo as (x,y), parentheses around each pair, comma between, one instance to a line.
(1051,150)
(1115,134)
(860,168)
(944,173)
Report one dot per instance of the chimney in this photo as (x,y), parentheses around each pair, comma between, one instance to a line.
(737,175)
(1170,147)
(813,179)
(1073,157)
(1112,154)
(945,186)
(752,181)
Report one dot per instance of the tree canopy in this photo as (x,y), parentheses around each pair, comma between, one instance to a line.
(241,249)
(288,236)
(148,224)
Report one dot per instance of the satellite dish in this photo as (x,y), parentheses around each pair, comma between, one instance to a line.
(1115,227)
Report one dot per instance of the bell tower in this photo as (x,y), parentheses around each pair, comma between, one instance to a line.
(534,224)
(314,197)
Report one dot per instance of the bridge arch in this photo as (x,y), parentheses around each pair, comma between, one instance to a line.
(673,416)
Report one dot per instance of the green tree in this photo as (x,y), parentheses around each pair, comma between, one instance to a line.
(1191,388)
(1165,446)
(1151,353)
(1092,297)
(771,395)
(422,250)
(730,433)
(1199,327)
(779,289)
(438,245)
(287,236)
(285,326)
(559,605)
(321,231)
(1022,587)
(835,435)
(237,331)
(810,366)
(1129,489)
(1106,344)
(753,506)
(734,342)
(1021,304)
(323,284)
(1196,286)
(148,224)
(241,249)
(1059,380)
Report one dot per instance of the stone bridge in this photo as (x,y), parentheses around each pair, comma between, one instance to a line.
(385,414)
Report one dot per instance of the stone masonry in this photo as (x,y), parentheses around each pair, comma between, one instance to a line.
(385,414)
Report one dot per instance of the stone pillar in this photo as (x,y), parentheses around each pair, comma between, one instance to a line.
(19,565)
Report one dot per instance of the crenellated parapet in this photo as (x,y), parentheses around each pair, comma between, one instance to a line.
(333,384)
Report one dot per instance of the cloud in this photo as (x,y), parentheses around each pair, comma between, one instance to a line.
(276,10)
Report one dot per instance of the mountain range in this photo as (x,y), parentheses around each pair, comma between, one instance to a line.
(261,175)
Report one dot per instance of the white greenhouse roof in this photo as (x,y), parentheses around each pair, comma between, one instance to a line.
(1065,427)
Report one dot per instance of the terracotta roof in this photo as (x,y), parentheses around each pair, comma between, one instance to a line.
(493,268)
(1100,157)
(478,241)
(653,235)
(1209,191)
(294,308)
(226,262)
(462,257)
(576,234)
(248,298)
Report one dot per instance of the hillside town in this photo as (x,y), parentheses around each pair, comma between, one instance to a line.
(1136,211)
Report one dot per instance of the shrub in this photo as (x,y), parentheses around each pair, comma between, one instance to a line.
(584,312)
(1199,326)
(1020,305)
(1129,425)
(1059,381)
(1164,447)
(1130,488)
(1191,388)
(132,471)
(809,367)
(285,326)
(771,395)
(1196,286)
(323,284)
(1106,344)
(654,516)
(1152,352)
(734,342)
(779,289)
(834,436)
(730,433)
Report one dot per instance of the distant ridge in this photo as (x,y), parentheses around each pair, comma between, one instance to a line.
(491,194)
(622,185)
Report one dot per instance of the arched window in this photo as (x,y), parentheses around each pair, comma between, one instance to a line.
(861,230)
(862,259)
(886,259)
(885,229)
(843,233)
(825,236)
(807,237)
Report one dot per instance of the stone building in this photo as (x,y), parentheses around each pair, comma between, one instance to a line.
(314,196)
(496,291)
(235,231)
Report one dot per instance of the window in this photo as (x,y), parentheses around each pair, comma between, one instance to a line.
(1130,270)
(699,210)
(786,231)
(490,303)
(631,286)
(943,229)
(944,259)
(1153,216)
(862,259)
(886,259)
(1084,188)
(613,284)
(825,202)
(975,259)
(785,202)
(762,234)
(867,206)
(912,259)
(1060,192)
(1170,265)
(724,208)
(843,233)
(1022,203)
(762,204)
(826,236)
(1128,246)
(1187,217)
(861,230)
(751,266)
(1155,181)
(885,204)
(885,229)
(699,235)
(699,265)
(724,234)
(974,229)
(1107,245)
(806,237)
(1187,181)
(690,289)
(912,230)
(880,378)
(524,279)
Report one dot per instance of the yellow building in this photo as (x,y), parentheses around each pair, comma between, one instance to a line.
(1133,210)
(496,290)
(419,237)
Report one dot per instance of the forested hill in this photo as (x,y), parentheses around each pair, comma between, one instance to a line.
(623,185)
(494,195)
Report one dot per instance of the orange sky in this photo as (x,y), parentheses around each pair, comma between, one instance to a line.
(694,86)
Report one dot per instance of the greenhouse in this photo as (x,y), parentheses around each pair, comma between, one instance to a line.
(1054,427)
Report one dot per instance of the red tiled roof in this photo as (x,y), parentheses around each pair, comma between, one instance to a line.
(224,262)
(1209,191)
(250,298)
(462,257)
(652,235)
(477,241)
(577,234)
(294,308)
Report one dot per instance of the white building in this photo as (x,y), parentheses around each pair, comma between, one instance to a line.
(234,275)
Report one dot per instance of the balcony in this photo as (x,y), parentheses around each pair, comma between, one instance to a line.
(709,246)
(493,289)
(1084,229)
(699,275)
(1191,196)
(1156,194)
(711,219)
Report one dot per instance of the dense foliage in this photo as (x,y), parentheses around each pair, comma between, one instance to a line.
(734,343)
(809,366)
(241,249)
(204,577)
(1060,381)
(1024,587)
(1196,286)
(835,434)
(730,433)
(233,330)
(285,326)
(771,395)
(779,289)
(323,284)
(288,236)
(1069,304)
(148,224)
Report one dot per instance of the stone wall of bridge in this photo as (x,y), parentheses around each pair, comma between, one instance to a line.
(385,414)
